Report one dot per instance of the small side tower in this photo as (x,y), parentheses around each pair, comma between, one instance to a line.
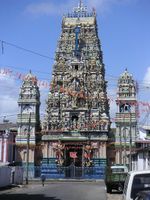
(28,120)
(126,118)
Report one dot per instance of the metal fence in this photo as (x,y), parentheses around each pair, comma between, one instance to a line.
(57,172)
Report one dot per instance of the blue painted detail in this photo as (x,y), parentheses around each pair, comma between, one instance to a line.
(77,31)
(73,172)
(51,170)
(55,172)
(99,162)
(49,161)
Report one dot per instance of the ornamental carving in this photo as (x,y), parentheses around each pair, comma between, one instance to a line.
(58,148)
(79,66)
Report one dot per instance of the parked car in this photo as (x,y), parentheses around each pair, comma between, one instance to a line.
(143,195)
(136,181)
(115,177)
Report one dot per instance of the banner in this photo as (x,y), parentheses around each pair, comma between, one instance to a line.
(73,154)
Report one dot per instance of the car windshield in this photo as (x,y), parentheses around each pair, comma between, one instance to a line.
(115,170)
(140,182)
(143,195)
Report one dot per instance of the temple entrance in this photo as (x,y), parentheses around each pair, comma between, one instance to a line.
(73,161)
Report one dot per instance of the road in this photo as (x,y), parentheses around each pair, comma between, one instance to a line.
(57,191)
(114,196)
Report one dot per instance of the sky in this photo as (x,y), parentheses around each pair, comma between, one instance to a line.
(35,25)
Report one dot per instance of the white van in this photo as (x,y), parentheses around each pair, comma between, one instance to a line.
(136,181)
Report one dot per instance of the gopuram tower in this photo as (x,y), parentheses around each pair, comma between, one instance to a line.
(126,119)
(28,120)
(77,122)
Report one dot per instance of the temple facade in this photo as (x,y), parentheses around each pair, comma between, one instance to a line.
(77,122)
(126,119)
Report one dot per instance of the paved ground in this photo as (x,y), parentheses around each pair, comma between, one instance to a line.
(57,191)
(114,196)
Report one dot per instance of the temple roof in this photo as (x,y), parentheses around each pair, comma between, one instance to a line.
(126,78)
(30,78)
(126,75)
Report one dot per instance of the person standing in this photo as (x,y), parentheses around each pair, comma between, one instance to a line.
(43,178)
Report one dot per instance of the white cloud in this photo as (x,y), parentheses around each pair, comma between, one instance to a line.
(8,105)
(146,79)
(112,95)
(105,5)
(8,98)
(43,98)
(48,8)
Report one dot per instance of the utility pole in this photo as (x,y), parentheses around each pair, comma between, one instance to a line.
(125,138)
(120,150)
(130,147)
(28,143)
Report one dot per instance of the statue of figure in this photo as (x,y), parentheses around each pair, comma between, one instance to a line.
(59,148)
(88,155)
(74,102)
(127,108)
(66,125)
(74,124)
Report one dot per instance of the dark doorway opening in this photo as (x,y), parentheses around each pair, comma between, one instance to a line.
(74,119)
(73,161)
(76,67)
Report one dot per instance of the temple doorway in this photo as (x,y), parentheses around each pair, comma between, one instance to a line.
(73,161)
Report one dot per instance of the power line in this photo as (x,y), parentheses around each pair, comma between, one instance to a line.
(114,78)
(3,116)
(23,49)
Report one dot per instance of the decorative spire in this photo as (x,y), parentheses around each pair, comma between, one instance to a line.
(125,77)
(80,9)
